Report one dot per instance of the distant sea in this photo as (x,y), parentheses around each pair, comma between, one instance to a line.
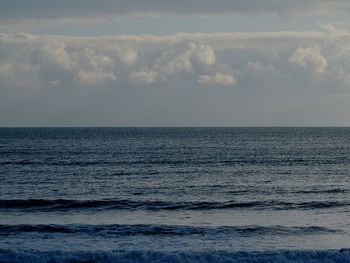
(174,194)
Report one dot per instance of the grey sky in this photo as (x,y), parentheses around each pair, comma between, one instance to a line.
(174,63)
(23,9)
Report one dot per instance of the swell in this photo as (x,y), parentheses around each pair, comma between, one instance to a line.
(169,230)
(209,162)
(67,204)
(323,191)
(321,256)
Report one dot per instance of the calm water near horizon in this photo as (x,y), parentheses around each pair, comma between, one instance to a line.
(169,194)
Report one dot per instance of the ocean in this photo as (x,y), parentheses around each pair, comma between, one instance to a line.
(174,195)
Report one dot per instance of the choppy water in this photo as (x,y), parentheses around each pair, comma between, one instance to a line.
(175,194)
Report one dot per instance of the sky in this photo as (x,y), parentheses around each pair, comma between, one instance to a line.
(174,63)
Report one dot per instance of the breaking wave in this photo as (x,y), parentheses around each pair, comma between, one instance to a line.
(172,230)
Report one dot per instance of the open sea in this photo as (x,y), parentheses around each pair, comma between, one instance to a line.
(174,195)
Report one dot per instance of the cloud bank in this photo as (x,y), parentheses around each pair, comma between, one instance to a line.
(261,78)
(236,60)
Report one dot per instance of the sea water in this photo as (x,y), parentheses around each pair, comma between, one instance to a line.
(174,194)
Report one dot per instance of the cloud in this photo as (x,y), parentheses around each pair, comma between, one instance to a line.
(59,66)
(95,69)
(95,77)
(127,55)
(246,60)
(204,54)
(309,59)
(257,67)
(171,62)
(16,10)
(333,29)
(174,61)
(53,60)
(143,77)
(218,78)
(270,78)
(52,54)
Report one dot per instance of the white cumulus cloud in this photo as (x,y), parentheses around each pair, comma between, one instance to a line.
(143,77)
(309,58)
(95,68)
(217,79)
(242,59)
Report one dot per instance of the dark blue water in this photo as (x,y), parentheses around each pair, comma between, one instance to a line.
(175,194)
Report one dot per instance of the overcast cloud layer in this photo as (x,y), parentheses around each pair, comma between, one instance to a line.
(14,10)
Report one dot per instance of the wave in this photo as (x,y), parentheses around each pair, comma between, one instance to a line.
(323,191)
(103,162)
(172,230)
(66,204)
(322,256)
